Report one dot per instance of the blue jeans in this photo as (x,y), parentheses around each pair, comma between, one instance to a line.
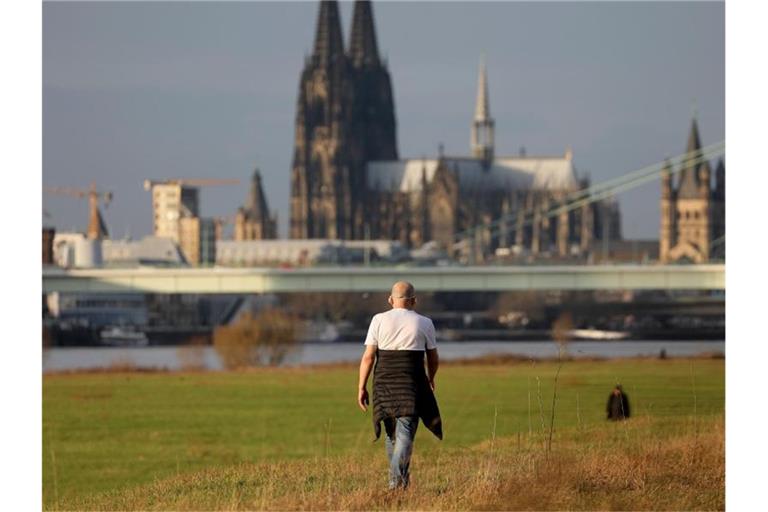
(399,451)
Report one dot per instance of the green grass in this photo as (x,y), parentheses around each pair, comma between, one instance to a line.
(121,432)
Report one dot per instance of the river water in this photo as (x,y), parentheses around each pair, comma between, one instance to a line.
(177,358)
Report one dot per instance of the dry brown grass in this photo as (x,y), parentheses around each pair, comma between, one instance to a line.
(622,466)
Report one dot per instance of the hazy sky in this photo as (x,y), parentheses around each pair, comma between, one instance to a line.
(160,90)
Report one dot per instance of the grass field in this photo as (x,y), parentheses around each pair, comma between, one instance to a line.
(294,438)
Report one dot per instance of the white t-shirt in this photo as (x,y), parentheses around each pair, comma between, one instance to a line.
(401,329)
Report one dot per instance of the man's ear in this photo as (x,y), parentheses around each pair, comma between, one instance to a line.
(391,302)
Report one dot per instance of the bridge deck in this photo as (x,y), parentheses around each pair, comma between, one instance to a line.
(377,279)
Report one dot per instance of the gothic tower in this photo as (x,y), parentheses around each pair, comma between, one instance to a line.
(344,119)
(667,234)
(254,222)
(321,201)
(373,133)
(482,124)
(718,211)
(688,216)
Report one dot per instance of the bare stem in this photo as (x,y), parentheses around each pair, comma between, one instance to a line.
(554,399)
(541,406)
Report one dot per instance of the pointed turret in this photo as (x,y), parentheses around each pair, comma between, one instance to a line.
(363,50)
(97,228)
(688,186)
(329,45)
(257,202)
(254,222)
(694,143)
(720,180)
(482,125)
(482,106)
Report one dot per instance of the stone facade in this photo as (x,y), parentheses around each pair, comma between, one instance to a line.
(348,182)
(693,210)
(344,118)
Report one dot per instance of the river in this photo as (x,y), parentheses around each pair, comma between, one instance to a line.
(177,358)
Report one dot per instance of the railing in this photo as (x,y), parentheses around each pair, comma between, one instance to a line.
(380,279)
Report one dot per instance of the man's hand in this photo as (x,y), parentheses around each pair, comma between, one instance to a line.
(432,385)
(366,364)
(362,399)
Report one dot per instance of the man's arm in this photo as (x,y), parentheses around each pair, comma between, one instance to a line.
(366,364)
(433,361)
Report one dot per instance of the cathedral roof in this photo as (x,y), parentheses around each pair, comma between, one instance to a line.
(526,173)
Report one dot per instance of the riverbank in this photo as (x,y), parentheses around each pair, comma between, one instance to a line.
(196,357)
(293,438)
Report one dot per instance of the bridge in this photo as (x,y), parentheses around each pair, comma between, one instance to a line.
(380,279)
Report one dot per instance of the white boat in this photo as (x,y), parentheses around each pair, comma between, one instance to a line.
(123,337)
(595,334)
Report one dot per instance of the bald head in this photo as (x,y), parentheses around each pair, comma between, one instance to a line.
(403,295)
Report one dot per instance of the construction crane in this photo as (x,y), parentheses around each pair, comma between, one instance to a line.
(97,229)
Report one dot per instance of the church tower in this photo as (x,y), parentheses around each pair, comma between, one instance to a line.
(254,222)
(321,201)
(345,118)
(373,133)
(482,124)
(374,109)
(667,234)
(689,217)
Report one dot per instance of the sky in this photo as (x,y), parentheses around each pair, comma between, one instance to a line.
(135,91)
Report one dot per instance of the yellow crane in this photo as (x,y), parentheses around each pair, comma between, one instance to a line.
(97,229)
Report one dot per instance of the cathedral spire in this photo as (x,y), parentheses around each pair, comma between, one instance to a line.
(482,125)
(363,49)
(482,106)
(694,143)
(329,44)
(689,174)
(257,203)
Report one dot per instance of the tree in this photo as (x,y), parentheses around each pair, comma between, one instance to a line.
(264,339)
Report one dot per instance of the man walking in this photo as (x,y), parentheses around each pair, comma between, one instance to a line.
(402,391)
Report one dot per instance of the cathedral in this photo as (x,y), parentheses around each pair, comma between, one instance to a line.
(349,182)
(693,210)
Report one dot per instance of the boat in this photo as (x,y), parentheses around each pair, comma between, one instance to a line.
(123,337)
(597,335)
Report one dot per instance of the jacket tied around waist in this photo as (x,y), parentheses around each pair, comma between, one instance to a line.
(401,388)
